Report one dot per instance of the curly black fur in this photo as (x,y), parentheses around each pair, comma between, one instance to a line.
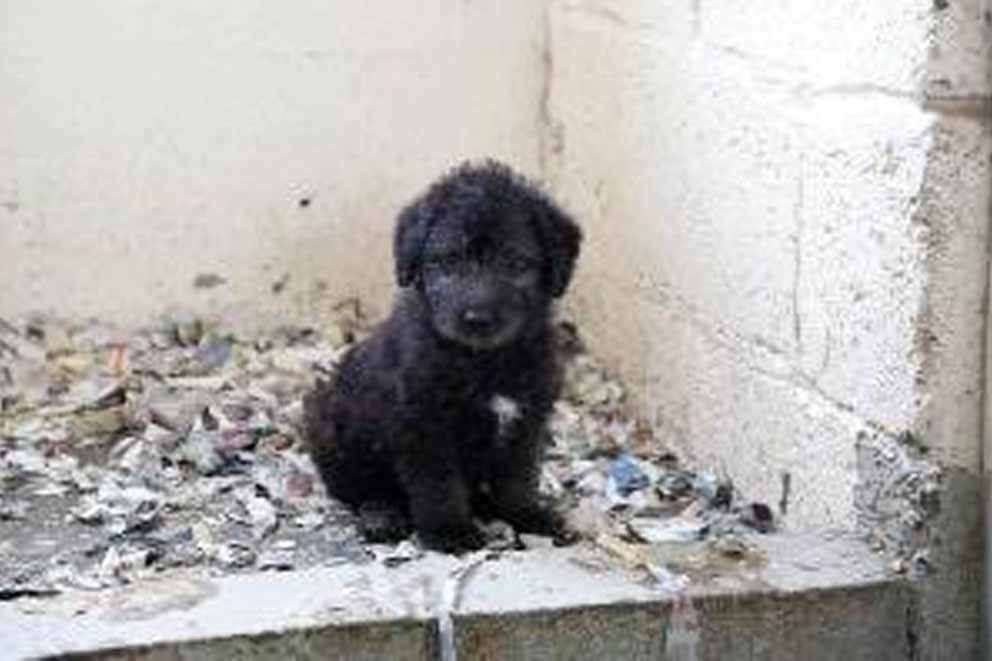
(439,415)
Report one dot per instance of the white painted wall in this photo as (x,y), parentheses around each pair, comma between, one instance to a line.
(145,143)
(788,214)
(759,189)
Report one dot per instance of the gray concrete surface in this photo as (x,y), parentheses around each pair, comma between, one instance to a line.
(790,596)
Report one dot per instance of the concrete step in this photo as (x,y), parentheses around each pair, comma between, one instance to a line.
(809,596)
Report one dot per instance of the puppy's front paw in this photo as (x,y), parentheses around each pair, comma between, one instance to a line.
(543,520)
(536,519)
(453,539)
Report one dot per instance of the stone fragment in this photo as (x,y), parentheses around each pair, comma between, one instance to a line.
(758,516)
(275,559)
(403,552)
(499,535)
(659,531)
(235,555)
(626,475)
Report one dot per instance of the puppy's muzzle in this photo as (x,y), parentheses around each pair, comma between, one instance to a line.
(480,322)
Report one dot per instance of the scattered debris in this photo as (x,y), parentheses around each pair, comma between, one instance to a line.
(729,546)
(758,516)
(658,531)
(122,454)
(235,555)
(529,541)
(500,536)
(625,476)
(261,515)
(405,551)
(126,454)
(717,493)
(276,559)
(898,498)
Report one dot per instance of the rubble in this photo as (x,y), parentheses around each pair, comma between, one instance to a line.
(658,531)
(126,454)
(625,476)
(405,551)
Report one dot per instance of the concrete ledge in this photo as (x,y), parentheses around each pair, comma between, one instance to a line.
(810,597)
(367,641)
(866,623)
(806,597)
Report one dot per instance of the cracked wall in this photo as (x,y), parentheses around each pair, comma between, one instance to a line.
(788,211)
(755,198)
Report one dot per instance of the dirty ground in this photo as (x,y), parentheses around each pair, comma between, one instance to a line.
(126,454)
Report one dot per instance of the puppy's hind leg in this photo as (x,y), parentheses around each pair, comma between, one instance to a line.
(515,496)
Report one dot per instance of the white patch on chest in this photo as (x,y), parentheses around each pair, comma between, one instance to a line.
(506,411)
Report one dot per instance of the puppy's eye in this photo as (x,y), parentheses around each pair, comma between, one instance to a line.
(444,263)
(515,264)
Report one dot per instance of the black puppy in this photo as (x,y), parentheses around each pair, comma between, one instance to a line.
(439,415)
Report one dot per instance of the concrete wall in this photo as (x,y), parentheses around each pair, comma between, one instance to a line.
(145,144)
(787,224)
(788,210)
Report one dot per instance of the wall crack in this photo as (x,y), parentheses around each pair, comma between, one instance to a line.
(797,263)
(759,355)
(604,14)
(550,133)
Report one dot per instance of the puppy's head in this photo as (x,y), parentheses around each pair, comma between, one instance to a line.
(488,251)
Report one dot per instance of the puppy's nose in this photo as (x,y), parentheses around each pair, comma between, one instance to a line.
(479,321)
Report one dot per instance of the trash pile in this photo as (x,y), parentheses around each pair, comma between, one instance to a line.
(622,482)
(127,454)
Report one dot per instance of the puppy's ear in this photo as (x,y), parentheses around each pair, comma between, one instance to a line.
(560,238)
(411,231)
